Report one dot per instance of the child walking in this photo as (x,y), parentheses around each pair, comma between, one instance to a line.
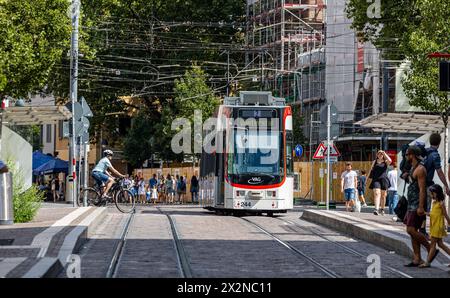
(438,231)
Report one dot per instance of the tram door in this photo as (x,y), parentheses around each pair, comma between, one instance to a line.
(220,174)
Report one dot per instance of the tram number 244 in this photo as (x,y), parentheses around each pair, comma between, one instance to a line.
(245,204)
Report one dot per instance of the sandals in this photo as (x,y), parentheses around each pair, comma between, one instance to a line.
(424,265)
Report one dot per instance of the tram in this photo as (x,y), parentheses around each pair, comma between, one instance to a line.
(249,165)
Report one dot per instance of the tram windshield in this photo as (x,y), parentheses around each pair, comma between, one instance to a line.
(256,152)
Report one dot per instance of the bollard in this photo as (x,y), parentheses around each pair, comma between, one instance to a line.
(6,199)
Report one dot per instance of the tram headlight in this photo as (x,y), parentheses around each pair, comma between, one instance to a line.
(240,193)
(271,193)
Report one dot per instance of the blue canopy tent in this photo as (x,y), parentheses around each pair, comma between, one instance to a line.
(53,166)
(40,158)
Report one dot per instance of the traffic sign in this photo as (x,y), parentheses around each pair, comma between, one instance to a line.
(334,151)
(81,126)
(298,150)
(321,151)
(87,112)
(78,110)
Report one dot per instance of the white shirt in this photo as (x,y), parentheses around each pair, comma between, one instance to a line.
(392,176)
(349,179)
(103,165)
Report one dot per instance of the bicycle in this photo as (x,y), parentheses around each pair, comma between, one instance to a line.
(122,197)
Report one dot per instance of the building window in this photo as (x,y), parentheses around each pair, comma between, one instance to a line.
(60,129)
(48,133)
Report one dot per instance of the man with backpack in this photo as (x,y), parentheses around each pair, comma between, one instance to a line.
(431,160)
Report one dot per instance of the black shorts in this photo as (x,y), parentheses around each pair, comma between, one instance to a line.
(412,219)
(382,184)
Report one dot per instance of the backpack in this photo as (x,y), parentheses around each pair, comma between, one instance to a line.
(405,166)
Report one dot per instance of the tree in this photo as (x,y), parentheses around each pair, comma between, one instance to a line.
(298,121)
(410,30)
(137,145)
(192,93)
(33,36)
(139,47)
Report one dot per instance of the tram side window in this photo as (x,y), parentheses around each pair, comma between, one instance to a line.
(289,157)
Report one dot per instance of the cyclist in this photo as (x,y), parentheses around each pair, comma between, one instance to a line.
(101,172)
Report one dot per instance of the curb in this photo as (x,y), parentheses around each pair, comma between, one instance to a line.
(46,267)
(50,267)
(360,230)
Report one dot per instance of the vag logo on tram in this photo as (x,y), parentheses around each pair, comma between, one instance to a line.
(255,180)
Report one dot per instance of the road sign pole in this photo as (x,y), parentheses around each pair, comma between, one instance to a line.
(328,156)
(85,168)
(73,96)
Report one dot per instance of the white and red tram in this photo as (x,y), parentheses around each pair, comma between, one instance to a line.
(250,168)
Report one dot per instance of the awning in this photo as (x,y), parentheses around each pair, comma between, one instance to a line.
(403,123)
(53,166)
(40,158)
(35,115)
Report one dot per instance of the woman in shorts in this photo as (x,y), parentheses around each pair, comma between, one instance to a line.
(380,182)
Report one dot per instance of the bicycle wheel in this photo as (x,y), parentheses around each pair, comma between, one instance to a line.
(91,194)
(124,200)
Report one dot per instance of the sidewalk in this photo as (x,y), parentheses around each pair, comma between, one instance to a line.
(40,248)
(376,229)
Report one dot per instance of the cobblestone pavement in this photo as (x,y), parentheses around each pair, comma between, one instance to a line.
(227,246)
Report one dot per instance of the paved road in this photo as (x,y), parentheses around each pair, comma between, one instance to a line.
(227,246)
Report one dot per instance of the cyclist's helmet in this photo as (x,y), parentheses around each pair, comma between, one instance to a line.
(108,152)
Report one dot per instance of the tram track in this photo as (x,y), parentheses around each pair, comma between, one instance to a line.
(346,248)
(330,273)
(184,266)
(115,260)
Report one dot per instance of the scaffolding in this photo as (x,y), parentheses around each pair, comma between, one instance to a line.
(284,34)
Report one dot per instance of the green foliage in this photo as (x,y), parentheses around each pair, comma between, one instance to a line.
(26,201)
(138,142)
(126,42)
(192,93)
(298,121)
(410,29)
(33,36)
(151,133)
(31,133)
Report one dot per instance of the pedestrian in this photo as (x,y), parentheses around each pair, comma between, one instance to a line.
(162,190)
(135,185)
(141,190)
(169,189)
(438,216)
(194,189)
(128,182)
(392,195)
(153,182)
(3,167)
(175,186)
(417,195)
(432,164)
(57,186)
(362,187)
(349,183)
(380,181)
(181,189)
(53,188)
